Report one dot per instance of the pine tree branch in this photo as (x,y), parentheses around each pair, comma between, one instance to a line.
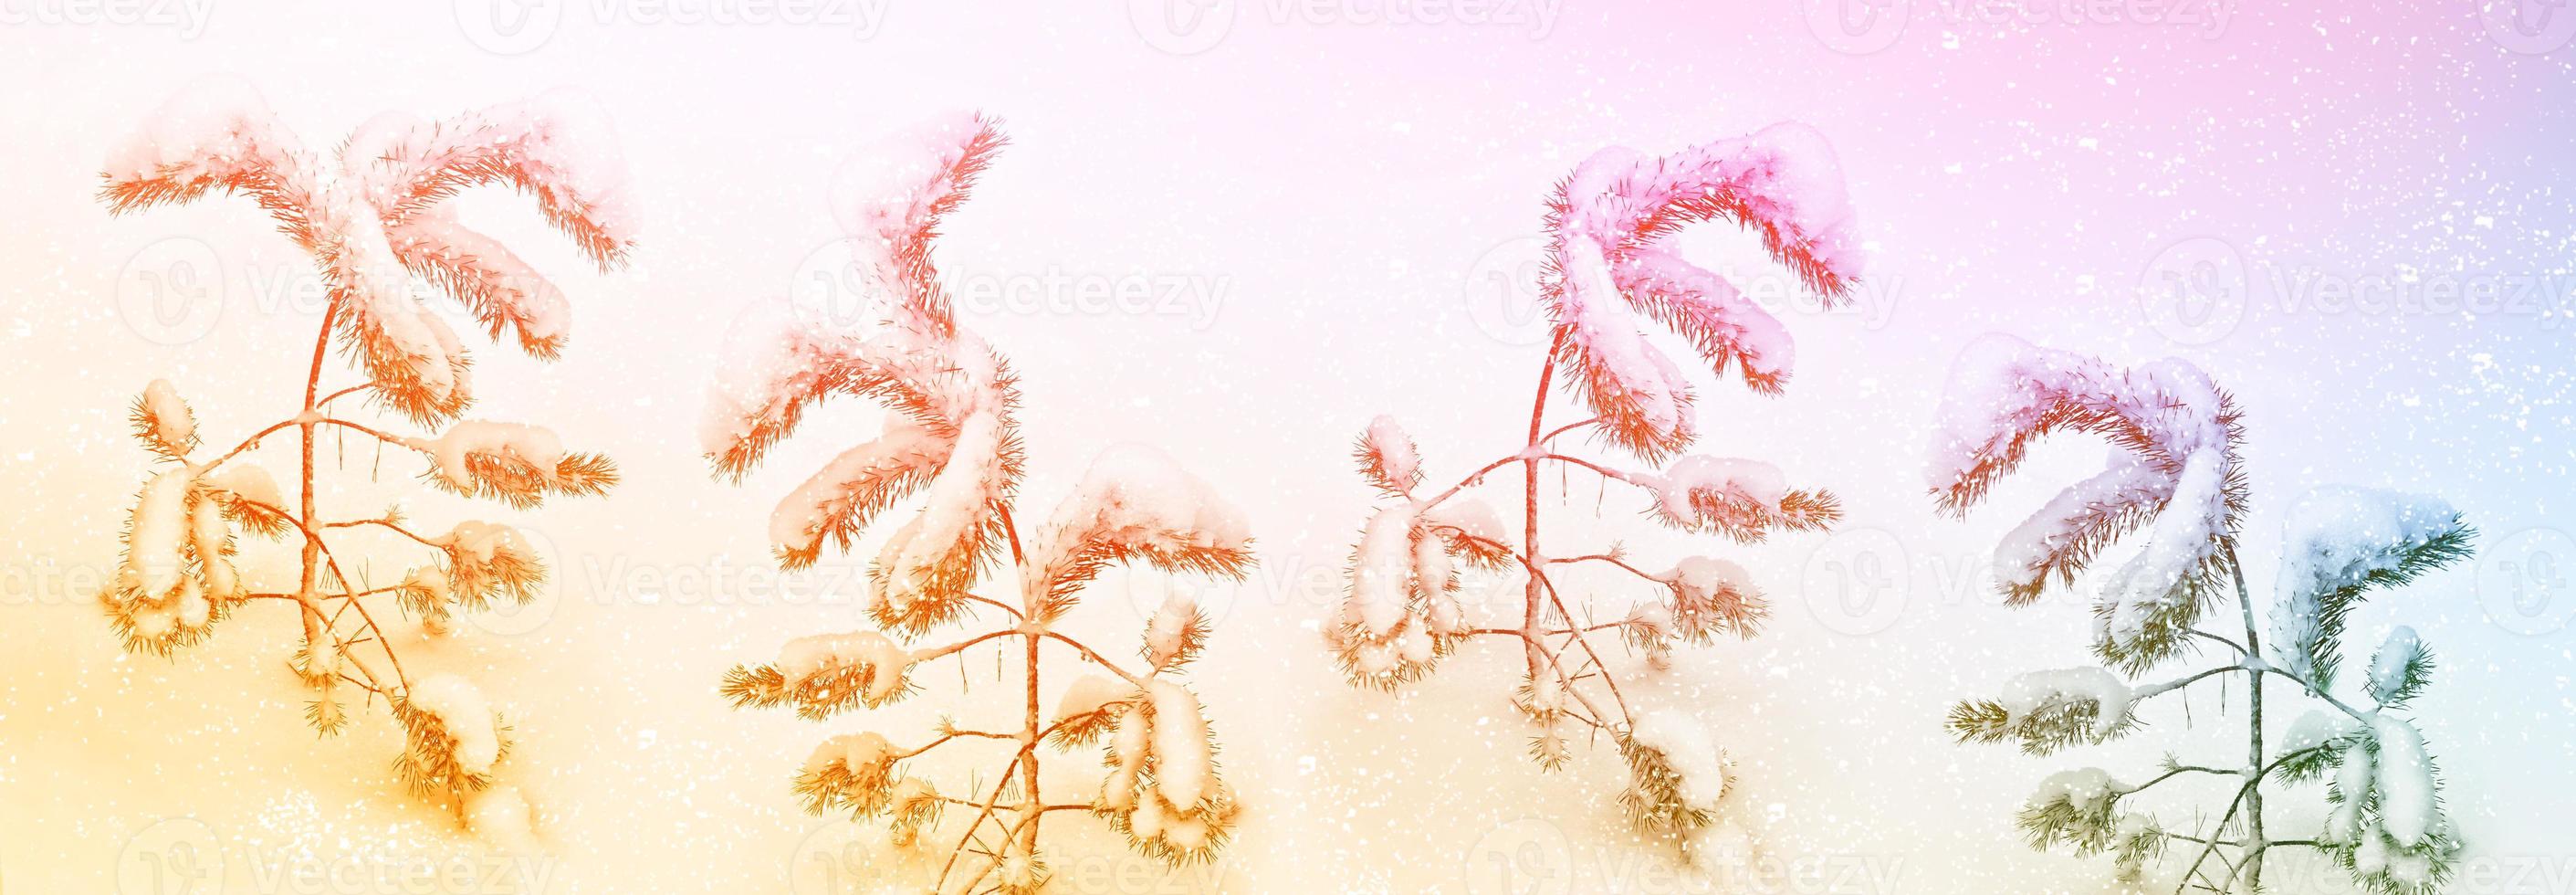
(1612,559)
(246,444)
(314,545)
(1540,647)
(1138,680)
(2179,771)
(1529,511)
(1471,479)
(1569,427)
(351,390)
(372,432)
(2196,632)
(2151,691)
(981,815)
(2252,781)
(997,604)
(2310,688)
(348,595)
(2253,857)
(1606,472)
(1625,717)
(389,523)
(925,655)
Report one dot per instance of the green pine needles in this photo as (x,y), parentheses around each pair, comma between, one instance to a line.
(2178,479)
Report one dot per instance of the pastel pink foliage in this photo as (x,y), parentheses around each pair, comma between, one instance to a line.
(1608,231)
(954,440)
(2176,473)
(951,449)
(2175,479)
(1612,276)
(377,218)
(374,220)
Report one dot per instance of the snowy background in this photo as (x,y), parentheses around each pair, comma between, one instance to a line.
(1332,210)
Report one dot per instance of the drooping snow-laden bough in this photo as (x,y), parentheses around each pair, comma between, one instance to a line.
(952,442)
(373,219)
(1612,275)
(2175,480)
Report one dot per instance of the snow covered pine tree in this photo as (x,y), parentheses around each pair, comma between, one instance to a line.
(1611,270)
(953,439)
(2176,476)
(372,223)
